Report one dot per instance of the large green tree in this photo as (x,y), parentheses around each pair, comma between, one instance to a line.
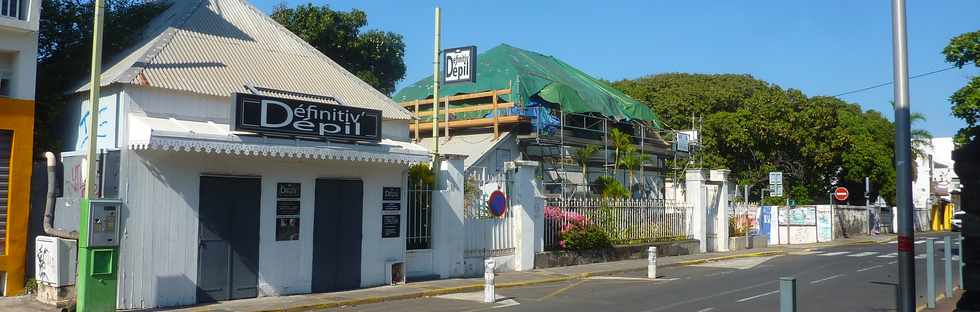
(753,127)
(374,56)
(961,51)
(65,55)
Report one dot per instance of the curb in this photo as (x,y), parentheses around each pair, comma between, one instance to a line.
(476,287)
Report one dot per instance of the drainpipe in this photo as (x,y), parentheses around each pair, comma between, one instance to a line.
(49,204)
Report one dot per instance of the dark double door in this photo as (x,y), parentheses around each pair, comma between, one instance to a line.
(337,235)
(228,249)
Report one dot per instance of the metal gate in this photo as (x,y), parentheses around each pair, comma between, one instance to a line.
(487,235)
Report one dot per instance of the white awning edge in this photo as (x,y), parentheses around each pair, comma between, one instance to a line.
(145,137)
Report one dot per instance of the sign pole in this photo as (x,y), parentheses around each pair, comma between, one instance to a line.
(435,92)
(96,265)
(903,158)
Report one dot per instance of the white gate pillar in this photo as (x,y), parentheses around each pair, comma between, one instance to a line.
(720,178)
(697,199)
(528,209)
(447,218)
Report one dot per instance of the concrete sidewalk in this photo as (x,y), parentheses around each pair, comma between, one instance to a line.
(308,302)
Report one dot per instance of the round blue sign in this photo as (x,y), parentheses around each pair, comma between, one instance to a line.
(497,203)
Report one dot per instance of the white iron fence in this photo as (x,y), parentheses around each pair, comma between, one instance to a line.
(487,233)
(627,221)
(419,226)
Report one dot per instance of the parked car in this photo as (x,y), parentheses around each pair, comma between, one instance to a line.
(957,220)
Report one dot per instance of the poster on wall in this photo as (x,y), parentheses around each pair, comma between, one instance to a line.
(391,193)
(765,220)
(287,228)
(803,216)
(391,226)
(288,190)
(825,231)
(287,207)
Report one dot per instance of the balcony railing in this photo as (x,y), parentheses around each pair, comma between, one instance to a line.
(13,8)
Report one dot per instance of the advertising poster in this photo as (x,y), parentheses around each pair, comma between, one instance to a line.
(287,228)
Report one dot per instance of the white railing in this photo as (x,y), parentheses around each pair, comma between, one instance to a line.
(626,221)
(419,226)
(13,8)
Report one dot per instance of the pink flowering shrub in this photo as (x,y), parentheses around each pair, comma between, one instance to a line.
(576,230)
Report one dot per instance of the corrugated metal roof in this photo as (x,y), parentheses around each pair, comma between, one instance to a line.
(215,47)
(473,146)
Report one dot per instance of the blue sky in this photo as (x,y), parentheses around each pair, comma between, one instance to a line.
(820,47)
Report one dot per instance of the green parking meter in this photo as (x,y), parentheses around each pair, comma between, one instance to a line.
(98,252)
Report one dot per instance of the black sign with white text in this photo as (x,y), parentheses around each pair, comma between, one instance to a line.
(459,65)
(280,116)
(391,193)
(391,226)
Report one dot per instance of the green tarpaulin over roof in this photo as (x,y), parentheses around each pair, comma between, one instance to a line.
(536,74)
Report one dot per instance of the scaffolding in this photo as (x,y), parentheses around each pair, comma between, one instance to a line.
(554,144)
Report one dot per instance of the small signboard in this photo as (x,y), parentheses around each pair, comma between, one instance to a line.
(683,143)
(287,228)
(287,207)
(776,177)
(841,193)
(288,190)
(391,193)
(459,65)
(391,226)
(391,206)
(776,190)
(304,119)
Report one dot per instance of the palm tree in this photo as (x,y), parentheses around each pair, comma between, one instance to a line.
(582,156)
(631,161)
(921,143)
(620,140)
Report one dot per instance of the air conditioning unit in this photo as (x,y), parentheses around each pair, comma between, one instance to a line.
(56,260)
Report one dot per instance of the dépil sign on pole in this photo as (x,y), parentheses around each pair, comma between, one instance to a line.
(459,65)
(841,193)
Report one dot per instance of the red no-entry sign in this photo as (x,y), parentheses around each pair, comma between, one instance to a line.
(841,193)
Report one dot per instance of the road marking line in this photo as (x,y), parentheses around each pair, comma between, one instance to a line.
(561,290)
(919,242)
(835,253)
(706,309)
(920,256)
(826,279)
(863,254)
(893,262)
(756,296)
(891,255)
(869,268)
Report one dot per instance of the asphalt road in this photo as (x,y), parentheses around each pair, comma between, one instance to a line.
(833,279)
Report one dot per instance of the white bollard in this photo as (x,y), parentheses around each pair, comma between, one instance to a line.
(652,262)
(489,295)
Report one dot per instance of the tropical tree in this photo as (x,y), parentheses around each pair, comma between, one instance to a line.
(582,156)
(374,56)
(962,50)
(631,161)
(753,127)
(620,140)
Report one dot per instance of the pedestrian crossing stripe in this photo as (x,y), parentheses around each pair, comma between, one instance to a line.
(891,255)
(919,242)
(921,256)
(863,254)
(838,253)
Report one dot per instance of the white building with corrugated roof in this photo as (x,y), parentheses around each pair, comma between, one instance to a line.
(249,163)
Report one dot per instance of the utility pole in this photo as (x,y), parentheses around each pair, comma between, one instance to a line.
(96,287)
(903,158)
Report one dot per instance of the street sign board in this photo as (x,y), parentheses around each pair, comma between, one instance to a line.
(841,193)
(459,65)
(775,177)
(683,142)
(776,190)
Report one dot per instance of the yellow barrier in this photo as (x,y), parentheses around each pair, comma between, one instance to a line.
(17,116)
